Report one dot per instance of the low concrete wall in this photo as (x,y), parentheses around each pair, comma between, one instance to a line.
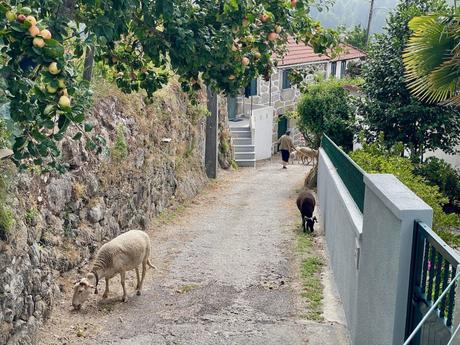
(342,222)
(371,252)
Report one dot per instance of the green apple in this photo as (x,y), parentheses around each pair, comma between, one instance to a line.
(51,89)
(64,102)
(53,68)
(61,83)
(11,16)
(26,10)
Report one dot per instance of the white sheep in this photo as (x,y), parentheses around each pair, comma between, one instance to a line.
(307,155)
(124,253)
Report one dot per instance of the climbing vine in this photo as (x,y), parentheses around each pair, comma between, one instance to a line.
(223,44)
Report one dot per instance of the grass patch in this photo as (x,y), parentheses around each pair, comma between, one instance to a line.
(187,288)
(31,216)
(120,148)
(310,268)
(170,214)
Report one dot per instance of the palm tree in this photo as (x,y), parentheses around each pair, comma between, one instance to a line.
(432,58)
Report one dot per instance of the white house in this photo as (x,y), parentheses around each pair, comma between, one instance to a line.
(267,102)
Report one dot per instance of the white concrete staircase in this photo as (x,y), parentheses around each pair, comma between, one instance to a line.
(243,148)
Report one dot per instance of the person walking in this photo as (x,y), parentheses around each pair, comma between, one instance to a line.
(286,145)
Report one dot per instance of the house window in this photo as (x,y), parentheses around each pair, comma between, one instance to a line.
(333,69)
(251,89)
(343,69)
(286,81)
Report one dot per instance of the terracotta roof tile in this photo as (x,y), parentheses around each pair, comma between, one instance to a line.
(303,54)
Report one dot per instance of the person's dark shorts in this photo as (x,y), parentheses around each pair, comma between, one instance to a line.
(285,155)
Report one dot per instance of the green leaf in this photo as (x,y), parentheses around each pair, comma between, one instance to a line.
(77,136)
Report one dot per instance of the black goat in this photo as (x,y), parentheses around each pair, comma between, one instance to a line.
(306,205)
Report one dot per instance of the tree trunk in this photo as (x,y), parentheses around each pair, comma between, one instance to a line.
(369,21)
(89,63)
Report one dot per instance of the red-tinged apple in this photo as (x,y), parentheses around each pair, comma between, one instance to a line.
(264,18)
(46,34)
(245,61)
(31,20)
(34,31)
(38,42)
(272,36)
(21,18)
(293,3)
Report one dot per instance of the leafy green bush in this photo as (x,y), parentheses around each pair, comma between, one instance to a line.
(440,173)
(326,107)
(373,159)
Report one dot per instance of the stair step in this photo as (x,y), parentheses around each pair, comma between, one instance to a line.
(242,141)
(241,134)
(246,163)
(244,155)
(240,129)
(244,148)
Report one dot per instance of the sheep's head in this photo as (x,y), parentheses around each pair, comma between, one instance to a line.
(81,291)
(311,223)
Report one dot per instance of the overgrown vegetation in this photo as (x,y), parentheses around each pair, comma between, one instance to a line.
(31,216)
(376,158)
(325,107)
(49,49)
(312,288)
(7,220)
(440,173)
(355,36)
(119,150)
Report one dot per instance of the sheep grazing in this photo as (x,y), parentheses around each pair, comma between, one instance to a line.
(307,154)
(124,253)
(306,205)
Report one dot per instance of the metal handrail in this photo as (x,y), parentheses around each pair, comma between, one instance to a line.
(433,307)
(454,335)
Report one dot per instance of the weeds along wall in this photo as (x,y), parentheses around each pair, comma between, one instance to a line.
(53,223)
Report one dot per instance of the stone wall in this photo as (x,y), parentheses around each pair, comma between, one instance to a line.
(154,157)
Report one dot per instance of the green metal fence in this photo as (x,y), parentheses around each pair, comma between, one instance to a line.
(350,173)
(433,281)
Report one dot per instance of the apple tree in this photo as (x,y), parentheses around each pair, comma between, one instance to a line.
(221,43)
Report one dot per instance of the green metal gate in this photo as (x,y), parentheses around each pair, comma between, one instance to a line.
(433,269)
(282,125)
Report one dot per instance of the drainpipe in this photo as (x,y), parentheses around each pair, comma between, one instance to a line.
(270,92)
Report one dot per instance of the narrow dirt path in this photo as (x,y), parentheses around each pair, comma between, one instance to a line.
(228,274)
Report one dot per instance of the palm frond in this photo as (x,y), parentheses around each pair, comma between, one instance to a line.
(432,58)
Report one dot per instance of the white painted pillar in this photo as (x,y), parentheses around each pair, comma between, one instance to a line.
(390,210)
